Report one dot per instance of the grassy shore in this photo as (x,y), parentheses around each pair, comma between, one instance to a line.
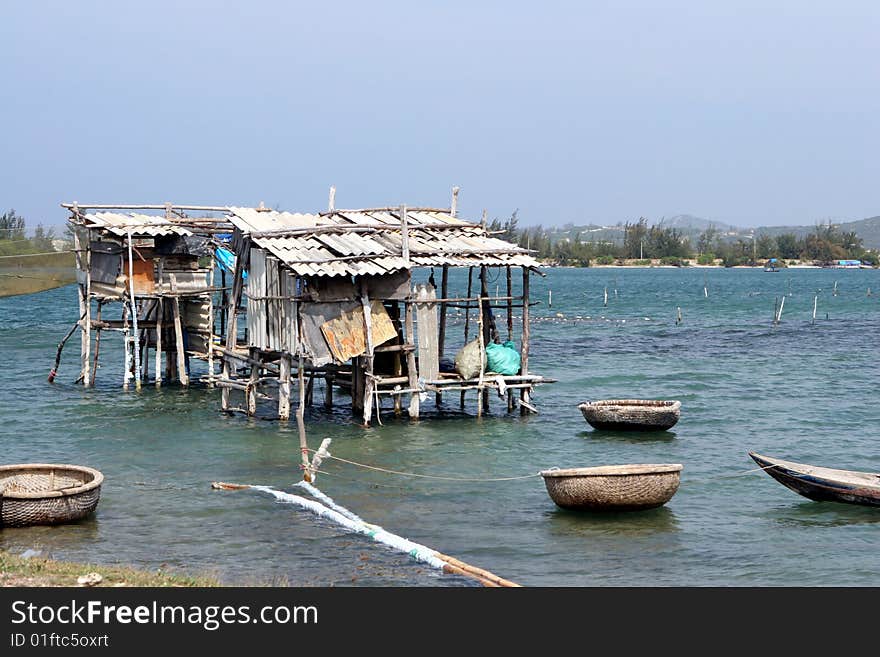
(36,571)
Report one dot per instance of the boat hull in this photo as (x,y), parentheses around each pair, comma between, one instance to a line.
(819,484)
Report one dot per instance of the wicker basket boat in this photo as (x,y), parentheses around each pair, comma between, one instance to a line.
(47,493)
(613,487)
(631,414)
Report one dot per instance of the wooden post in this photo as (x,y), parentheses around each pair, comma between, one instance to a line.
(370,383)
(211,327)
(487,326)
(300,412)
(510,402)
(404,234)
(136,337)
(453,208)
(357,385)
(331,202)
(160,312)
(444,289)
(126,341)
(82,254)
(411,360)
(328,390)
(467,315)
(182,376)
(284,387)
(231,320)
(97,343)
(524,352)
(251,393)
(482,397)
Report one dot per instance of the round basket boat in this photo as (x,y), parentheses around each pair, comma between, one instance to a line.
(631,414)
(613,487)
(47,493)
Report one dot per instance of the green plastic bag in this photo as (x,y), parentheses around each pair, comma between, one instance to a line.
(503,358)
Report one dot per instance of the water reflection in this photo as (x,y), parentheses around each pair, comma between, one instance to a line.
(824,514)
(632,437)
(621,523)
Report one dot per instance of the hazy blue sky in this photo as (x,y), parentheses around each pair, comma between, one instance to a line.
(744,112)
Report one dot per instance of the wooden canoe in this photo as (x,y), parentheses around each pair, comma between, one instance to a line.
(823,484)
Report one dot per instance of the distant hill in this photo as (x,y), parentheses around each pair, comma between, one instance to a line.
(689,223)
(867,229)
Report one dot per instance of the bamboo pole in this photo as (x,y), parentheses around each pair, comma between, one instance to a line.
(134,315)
(182,376)
(300,414)
(210,345)
(81,253)
(231,319)
(160,313)
(524,394)
(444,290)
(284,387)
(370,383)
(412,370)
(251,393)
(815,303)
(467,316)
(480,572)
(97,343)
(509,326)
(482,394)
(126,340)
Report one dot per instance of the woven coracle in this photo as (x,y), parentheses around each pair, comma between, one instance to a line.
(631,414)
(613,487)
(47,493)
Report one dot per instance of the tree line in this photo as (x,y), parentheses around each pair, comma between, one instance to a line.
(670,245)
(15,241)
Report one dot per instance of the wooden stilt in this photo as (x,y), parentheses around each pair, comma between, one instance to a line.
(97,343)
(412,372)
(82,253)
(160,312)
(467,315)
(231,319)
(370,383)
(328,390)
(126,340)
(510,402)
(441,340)
(524,352)
(210,345)
(488,332)
(251,393)
(136,336)
(300,409)
(284,387)
(482,393)
(182,376)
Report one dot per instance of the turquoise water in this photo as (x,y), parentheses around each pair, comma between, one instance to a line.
(802,391)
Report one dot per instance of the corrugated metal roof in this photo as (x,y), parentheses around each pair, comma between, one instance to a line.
(139,224)
(375,245)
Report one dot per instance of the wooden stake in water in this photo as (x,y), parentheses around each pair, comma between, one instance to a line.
(605,302)
(549,298)
(775,310)
(781,306)
(705,288)
(815,303)
(678,319)
(835,288)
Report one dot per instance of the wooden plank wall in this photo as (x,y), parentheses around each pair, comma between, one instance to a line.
(426,324)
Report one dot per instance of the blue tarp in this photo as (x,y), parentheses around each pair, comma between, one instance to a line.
(226,259)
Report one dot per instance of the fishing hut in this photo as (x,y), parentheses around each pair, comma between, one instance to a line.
(160,269)
(330,297)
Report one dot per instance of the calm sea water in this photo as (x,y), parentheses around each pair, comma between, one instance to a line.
(799,391)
